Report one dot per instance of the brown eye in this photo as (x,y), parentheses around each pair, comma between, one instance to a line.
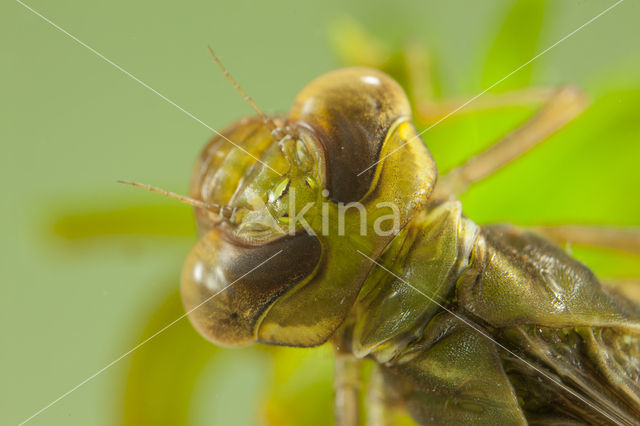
(350,112)
(221,166)
(246,280)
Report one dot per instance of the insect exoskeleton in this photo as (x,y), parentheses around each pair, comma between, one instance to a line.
(294,285)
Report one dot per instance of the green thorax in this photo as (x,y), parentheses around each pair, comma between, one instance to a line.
(426,257)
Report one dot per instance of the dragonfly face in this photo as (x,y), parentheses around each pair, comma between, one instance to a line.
(308,170)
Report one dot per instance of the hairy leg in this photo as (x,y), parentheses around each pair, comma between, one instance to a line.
(357,47)
(434,111)
(624,239)
(559,107)
(346,384)
(562,106)
(428,109)
(379,400)
(628,287)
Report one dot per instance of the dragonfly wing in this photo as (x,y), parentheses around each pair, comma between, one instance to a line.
(553,311)
(518,278)
(590,373)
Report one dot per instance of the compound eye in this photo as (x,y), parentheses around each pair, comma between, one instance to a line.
(350,112)
(227,284)
(221,166)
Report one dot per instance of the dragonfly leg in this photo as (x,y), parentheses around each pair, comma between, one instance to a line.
(630,287)
(623,239)
(420,81)
(429,110)
(380,402)
(562,106)
(346,384)
(355,46)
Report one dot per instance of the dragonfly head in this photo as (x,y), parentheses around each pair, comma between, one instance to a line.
(283,268)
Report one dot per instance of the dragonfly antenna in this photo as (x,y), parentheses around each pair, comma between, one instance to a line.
(224,211)
(265,118)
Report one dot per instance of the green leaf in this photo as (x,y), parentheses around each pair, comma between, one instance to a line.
(124,220)
(163,373)
(516,43)
(300,390)
(178,378)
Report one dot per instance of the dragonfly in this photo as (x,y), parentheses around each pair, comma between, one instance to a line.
(466,324)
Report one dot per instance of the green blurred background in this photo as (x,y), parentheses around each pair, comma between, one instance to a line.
(91,268)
